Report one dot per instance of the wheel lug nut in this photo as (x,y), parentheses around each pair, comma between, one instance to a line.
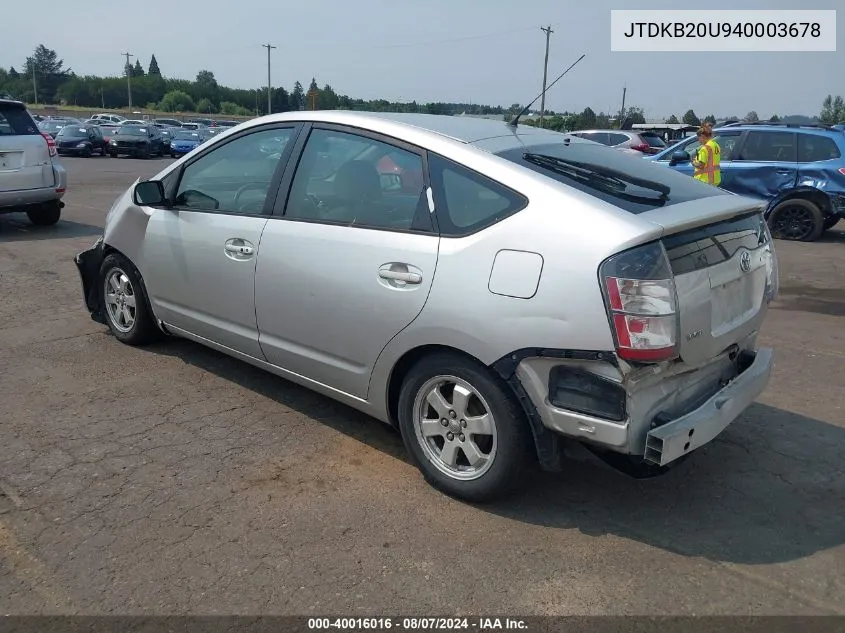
(461,437)
(464,423)
(452,414)
(450,436)
(444,422)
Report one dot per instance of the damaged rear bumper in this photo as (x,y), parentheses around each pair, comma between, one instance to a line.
(675,439)
(88,264)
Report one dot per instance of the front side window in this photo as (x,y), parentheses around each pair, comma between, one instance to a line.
(727,141)
(774,147)
(344,178)
(236,176)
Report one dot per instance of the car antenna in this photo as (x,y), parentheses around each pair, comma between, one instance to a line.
(515,120)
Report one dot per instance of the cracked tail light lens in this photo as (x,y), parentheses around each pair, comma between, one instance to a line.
(642,304)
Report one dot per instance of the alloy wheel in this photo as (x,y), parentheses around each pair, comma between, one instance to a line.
(455,427)
(120,300)
(794,223)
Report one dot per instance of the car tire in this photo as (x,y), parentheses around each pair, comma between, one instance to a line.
(120,287)
(796,219)
(46,215)
(476,467)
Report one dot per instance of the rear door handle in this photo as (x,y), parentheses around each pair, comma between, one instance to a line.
(395,275)
(783,172)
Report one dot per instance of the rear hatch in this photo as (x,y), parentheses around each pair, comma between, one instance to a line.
(24,154)
(722,260)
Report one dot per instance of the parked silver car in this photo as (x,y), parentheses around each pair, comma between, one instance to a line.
(642,142)
(32,180)
(491,291)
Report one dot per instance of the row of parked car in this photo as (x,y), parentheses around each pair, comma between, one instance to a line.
(799,169)
(114,135)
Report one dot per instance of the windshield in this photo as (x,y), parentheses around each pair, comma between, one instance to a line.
(625,181)
(51,126)
(131,130)
(73,132)
(186,136)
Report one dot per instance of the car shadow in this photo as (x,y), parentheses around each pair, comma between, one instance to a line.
(806,298)
(836,235)
(770,489)
(16,227)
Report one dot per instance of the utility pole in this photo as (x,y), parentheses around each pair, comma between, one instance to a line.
(622,112)
(34,85)
(269,90)
(128,78)
(548,31)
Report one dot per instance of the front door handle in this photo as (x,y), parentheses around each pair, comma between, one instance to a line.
(237,248)
(396,275)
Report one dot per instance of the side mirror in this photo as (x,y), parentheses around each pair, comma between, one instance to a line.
(149,193)
(679,157)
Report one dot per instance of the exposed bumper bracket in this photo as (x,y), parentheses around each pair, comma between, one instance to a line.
(88,264)
(679,437)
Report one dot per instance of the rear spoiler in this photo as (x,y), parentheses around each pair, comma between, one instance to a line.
(702,211)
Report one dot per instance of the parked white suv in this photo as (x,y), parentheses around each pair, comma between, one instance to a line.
(115,119)
(31,181)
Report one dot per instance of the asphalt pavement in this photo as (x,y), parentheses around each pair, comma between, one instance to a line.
(172,479)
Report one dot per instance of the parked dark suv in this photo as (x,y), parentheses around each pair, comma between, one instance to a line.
(798,169)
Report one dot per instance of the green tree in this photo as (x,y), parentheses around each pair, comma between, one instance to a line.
(327,98)
(774,118)
(689,118)
(631,115)
(833,110)
(206,107)
(138,70)
(153,68)
(587,119)
(710,119)
(49,71)
(312,94)
(177,101)
(280,100)
(672,120)
(297,97)
(751,117)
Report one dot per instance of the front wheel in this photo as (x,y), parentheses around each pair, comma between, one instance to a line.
(126,309)
(796,219)
(463,428)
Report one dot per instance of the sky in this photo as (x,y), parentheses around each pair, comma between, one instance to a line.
(475,51)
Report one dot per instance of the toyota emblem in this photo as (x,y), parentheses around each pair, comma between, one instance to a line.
(745,261)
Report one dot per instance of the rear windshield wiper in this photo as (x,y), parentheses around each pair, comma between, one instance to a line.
(603,178)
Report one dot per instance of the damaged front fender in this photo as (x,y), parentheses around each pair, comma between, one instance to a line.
(88,264)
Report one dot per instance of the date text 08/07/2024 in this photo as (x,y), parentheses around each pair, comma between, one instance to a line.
(417,624)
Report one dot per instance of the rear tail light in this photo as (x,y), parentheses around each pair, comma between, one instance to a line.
(842,170)
(642,304)
(51,144)
(643,147)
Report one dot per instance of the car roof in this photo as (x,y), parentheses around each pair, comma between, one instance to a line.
(464,129)
(786,127)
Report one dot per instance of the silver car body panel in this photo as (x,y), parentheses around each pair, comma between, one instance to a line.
(327,320)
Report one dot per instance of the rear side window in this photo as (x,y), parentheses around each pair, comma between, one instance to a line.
(466,201)
(15,121)
(812,148)
(627,182)
(653,140)
(616,139)
(769,147)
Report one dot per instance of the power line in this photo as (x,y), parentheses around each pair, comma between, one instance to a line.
(548,31)
(128,78)
(269,47)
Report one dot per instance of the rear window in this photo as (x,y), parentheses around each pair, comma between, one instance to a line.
(653,140)
(15,121)
(812,148)
(627,182)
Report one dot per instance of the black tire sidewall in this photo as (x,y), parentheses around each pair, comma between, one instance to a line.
(818,219)
(46,216)
(513,432)
(145,329)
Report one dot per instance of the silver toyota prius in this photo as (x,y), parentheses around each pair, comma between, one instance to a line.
(492,291)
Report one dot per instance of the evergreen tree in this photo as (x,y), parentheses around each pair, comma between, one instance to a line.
(153,68)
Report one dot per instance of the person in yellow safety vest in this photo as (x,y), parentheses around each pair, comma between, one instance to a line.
(708,158)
